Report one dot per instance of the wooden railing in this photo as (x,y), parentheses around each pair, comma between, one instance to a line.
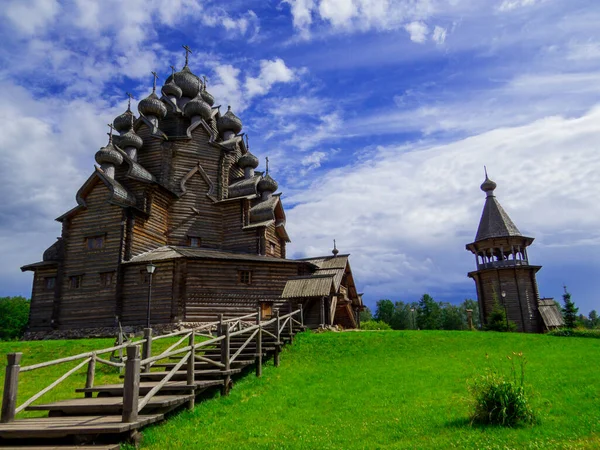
(139,358)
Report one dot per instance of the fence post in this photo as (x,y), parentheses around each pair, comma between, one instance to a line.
(301,315)
(225,358)
(131,386)
(147,348)
(291,324)
(119,343)
(11,387)
(259,345)
(91,372)
(278,340)
(191,367)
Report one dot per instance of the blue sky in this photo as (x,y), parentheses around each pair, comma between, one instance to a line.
(377,117)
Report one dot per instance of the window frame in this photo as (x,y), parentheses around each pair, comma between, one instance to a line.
(95,242)
(75,281)
(107,279)
(191,238)
(245,277)
(47,281)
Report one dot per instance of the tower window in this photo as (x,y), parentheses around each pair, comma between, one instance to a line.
(49,282)
(194,241)
(107,279)
(94,242)
(245,276)
(75,281)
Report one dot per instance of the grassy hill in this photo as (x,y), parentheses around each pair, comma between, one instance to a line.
(378,390)
(396,390)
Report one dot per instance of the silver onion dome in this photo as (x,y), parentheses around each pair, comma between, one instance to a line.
(248,160)
(198,107)
(229,122)
(207,96)
(488,185)
(267,184)
(123,122)
(109,155)
(152,106)
(171,89)
(186,81)
(131,139)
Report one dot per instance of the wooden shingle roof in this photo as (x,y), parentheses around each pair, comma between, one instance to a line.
(550,313)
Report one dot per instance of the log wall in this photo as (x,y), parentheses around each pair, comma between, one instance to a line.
(42,300)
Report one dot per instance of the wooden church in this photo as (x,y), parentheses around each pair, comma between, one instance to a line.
(177,192)
(504,274)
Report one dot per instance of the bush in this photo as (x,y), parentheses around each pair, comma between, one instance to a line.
(500,399)
(374,325)
(497,320)
(14,312)
(575,332)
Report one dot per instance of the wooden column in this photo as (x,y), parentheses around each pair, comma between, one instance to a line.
(259,344)
(278,340)
(322,312)
(91,371)
(147,347)
(11,387)
(291,324)
(225,345)
(191,367)
(131,386)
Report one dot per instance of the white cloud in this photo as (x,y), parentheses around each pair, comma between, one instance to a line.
(409,211)
(509,5)
(31,16)
(271,72)
(439,35)
(302,15)
(418,31)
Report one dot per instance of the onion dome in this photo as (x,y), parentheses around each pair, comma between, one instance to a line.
(131,139)
(229,122)
(109,155)
(171,89)
(335,251)
(152,106)
(186,81)
(124,121)
(267,184)
(207,96)
(247,160)
(197,107)
(488,186)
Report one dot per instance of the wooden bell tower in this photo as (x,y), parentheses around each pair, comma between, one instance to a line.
(503,273)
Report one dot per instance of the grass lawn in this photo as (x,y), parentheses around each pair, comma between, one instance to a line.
(396,390)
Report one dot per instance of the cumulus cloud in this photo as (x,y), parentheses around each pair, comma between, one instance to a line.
(439,35)
(271,72)
(418,31)
(31,16)
(509,5)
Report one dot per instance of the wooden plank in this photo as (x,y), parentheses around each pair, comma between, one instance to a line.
(146,386)
(54,427)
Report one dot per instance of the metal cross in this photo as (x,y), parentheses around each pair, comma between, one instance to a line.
(204,78)
(111,126)
(187,52)
(129,101)
(485,170)
(267,158)
(154,83)
(172,70)
(247,145)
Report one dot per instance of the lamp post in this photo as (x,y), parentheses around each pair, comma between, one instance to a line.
(503,294)
(150,268)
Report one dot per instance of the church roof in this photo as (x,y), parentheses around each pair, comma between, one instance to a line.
(494,221)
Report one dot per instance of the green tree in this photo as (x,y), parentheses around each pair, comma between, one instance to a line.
(384,311)
(497,321)
(593,318)
(428,313)
(14,314)
(569,310)
(473,305)
(452,317)
(403,316)
(366,315)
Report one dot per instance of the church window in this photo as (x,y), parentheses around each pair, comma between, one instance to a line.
(245,276)
(107,279)
(75,281)
(273,248)
(95,242)
(49,282)
(194,241)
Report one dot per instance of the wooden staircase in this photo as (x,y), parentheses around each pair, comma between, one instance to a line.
(153,386)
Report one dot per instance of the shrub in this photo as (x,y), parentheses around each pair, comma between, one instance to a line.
(374,325)
(502,400)
(497,320)
(575,332)
(14,312)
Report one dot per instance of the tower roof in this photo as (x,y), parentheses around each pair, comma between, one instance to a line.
(494,221)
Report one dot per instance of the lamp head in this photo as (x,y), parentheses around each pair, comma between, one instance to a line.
(150,267)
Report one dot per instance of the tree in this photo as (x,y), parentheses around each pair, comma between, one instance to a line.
(473,305)
(569,310)
(497,321)
(452,317)
(366,315)
(593,317)
(428,313)
(384,311)
(403,316)
(14,312)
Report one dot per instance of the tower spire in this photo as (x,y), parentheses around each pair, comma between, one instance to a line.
(335,251)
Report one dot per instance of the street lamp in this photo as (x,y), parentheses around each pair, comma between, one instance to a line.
(503,294)
(150,268)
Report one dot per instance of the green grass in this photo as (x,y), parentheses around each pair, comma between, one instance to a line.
(397,389)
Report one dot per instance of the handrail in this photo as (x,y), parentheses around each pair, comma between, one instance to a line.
(186,330)
(282,327)
(176,344)
(162,383)
(240,318)
(244,345)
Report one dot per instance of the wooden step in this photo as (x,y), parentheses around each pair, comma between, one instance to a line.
(201,365)
(146,386)
(107,405)
(55,427)
(182,375)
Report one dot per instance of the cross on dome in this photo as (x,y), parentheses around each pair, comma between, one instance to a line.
(187,52)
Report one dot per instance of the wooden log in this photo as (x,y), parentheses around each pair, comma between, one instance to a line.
(11,387)
(225,344)
(147,347)
(190,369)
(91,372)
(131,386)
(259,345)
